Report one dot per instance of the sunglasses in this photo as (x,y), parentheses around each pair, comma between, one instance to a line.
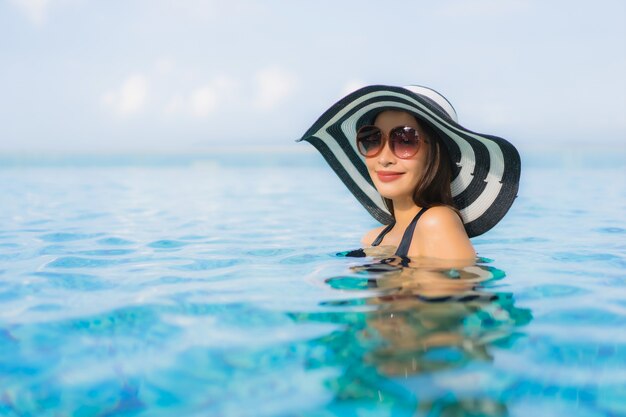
(404,141)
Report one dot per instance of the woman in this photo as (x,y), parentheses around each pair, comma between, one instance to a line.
(411,170)
(403,155)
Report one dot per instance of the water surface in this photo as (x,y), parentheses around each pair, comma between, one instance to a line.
(211,285)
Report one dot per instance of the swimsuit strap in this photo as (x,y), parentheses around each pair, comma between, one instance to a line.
(405,243)
(382,234)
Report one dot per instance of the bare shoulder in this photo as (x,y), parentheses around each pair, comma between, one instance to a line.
(369,237)
(440,234)
(440,217)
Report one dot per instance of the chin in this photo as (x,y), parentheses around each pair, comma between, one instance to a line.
(392,194)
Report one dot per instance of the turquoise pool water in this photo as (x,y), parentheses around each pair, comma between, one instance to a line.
(211,286)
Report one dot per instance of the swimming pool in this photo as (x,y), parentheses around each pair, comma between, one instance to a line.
(211,285)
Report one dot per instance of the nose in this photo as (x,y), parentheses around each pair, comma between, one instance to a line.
(386,157)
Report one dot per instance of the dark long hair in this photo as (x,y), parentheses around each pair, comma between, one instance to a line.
(433,189)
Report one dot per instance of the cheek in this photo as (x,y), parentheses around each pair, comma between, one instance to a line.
(419,165)
(416,168)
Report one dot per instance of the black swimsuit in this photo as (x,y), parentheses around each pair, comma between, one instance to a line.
(405,243)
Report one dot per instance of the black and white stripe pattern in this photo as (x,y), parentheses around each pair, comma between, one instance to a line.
(487,170)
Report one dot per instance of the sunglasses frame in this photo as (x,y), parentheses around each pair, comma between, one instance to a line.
(385,138)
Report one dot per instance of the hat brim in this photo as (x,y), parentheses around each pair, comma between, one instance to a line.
(486,168)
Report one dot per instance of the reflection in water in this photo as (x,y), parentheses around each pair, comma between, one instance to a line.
(419,339)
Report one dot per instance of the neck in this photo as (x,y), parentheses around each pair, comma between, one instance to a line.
(404,210)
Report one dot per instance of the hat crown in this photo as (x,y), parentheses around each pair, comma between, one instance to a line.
(435,97)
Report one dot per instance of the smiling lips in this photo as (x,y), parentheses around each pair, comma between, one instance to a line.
(388,176)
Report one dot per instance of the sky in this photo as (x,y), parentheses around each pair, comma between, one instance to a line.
(193,76)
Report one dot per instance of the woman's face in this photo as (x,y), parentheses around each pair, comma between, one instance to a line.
(396,178)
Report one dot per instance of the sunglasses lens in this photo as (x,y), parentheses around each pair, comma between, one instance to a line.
(404,141)
(369,140)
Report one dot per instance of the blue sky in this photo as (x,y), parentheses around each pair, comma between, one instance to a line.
(187,76)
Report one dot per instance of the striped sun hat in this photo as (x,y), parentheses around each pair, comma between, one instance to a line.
(486,169)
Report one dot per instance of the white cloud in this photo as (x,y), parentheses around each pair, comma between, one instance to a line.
(35,10)
(274,86)
(226,87)
(176,91)
(130,98)
(206,99)
(203,101)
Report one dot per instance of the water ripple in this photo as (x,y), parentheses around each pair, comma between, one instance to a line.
(611,230)
(552,291)
(9,245)
(54,250)
(302,259)
(208,264)
(585,257)
(115,241)
(167,244)
(67,237)
(79,282)
(78,262)
(106,252)
(586,316)
(269,252)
